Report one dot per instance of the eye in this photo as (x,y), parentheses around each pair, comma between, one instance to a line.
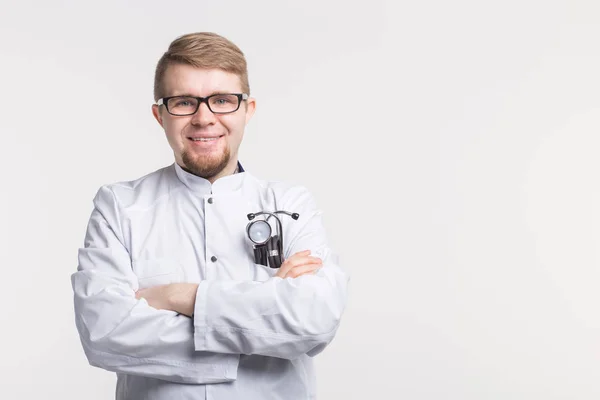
(223,103)
(183,103)
(222,100)
(178,103)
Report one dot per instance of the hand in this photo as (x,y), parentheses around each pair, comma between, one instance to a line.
(178,297)
(299,264)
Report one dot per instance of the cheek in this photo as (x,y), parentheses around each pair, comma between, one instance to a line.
(173,130)
(235,126)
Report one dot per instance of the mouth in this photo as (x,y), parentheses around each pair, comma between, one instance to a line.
(204,141)
(204,138)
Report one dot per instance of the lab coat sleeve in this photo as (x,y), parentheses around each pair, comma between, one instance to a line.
(122,334)
(283,318)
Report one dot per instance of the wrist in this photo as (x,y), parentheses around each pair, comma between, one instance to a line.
(183,298)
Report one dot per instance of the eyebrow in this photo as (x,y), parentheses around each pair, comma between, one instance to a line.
(187,94)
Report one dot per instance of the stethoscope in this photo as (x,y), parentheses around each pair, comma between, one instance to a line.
(268,248)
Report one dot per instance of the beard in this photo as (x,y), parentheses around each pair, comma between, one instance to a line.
(205,167)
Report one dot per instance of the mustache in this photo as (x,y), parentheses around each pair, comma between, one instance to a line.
(191,130)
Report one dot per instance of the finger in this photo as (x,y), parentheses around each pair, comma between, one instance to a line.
(302,270)
(284,269)
(293,262)
(143,293)
(306,260)
(290,262)
(303,252)
(296,260)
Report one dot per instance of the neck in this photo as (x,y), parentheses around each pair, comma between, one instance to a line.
(228,170)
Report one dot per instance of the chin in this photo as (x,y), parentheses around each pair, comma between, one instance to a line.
(205,168)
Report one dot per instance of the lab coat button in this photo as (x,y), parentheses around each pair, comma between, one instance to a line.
(210,200)
(213,259)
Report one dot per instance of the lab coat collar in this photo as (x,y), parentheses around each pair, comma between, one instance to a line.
(201,186)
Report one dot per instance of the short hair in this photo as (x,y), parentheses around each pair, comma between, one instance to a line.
(204,50)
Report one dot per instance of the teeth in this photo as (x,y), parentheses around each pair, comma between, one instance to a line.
(203,139)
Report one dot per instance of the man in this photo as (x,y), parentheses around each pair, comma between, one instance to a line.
(168,292)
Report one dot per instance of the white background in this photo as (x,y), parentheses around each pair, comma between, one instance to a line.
(453,146)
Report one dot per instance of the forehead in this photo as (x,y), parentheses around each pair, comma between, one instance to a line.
(184,79)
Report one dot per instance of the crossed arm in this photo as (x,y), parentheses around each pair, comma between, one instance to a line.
(181,297)
(149,332)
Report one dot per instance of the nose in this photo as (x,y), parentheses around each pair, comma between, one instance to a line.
(203,116)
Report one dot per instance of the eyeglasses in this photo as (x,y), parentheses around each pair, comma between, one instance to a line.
(220,103)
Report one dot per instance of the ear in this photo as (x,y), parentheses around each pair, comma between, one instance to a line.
(157,115)
(250,108)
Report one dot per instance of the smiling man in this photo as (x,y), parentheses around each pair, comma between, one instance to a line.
(207,141)
(170,292)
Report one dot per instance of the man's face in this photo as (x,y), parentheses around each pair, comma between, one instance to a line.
(217,157)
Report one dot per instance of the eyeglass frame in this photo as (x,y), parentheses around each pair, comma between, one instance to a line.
(164,100)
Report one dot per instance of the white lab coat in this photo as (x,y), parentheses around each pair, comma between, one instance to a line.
(252,336)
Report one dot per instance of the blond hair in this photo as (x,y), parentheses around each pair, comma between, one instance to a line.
(204,50)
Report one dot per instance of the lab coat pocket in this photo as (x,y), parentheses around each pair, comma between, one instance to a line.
(261,273)
(160,271)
